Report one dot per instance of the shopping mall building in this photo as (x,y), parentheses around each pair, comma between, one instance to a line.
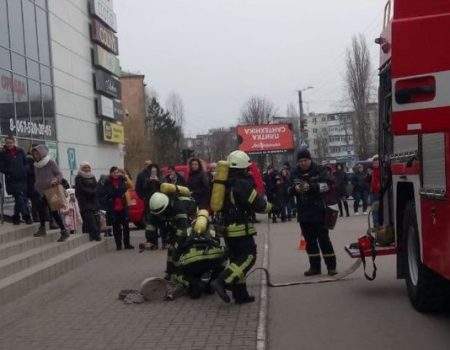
(59,80)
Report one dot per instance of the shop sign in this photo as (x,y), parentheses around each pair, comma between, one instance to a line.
(105,107)
(103,36)
(268,138)
(102,9)
(107,84)
(106,60)
(112,132)
(118,110)
(30,127)
(52,150)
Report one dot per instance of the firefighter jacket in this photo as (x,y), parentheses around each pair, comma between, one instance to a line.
(176,217)
(311,204)
(241,202)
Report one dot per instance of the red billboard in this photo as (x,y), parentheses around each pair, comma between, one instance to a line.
(267,138)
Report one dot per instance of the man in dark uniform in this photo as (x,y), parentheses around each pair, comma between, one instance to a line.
(241,200)
(310,187)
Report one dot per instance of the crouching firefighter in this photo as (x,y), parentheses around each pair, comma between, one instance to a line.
(198,257)
(175,211)
(240,202)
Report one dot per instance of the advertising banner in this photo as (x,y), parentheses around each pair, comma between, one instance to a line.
(102,9)
(107,84)
(106,60)
(111,132)
(118,110)
(105,37)
(267,138)
(105,107)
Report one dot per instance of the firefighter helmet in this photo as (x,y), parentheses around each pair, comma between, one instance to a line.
(238,160)
(158,203)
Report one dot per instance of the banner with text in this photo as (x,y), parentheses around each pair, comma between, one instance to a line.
(266,138)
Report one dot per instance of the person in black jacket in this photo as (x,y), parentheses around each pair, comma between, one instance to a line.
(360,181)
(341,188)
(310,186)
(86,193)
(117,209)
(13,163)
(198,183)
(174,178)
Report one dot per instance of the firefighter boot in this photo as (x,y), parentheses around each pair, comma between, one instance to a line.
(219,287)
(314,262)
(330,261)
(240,294)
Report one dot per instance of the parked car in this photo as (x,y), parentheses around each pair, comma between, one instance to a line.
(136,209)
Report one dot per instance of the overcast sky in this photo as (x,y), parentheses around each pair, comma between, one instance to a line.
(217,53)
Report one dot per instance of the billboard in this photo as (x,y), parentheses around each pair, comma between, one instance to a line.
(103,36)
(106,60)
(112,132)
(265,138)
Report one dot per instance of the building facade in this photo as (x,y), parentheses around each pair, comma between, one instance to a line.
(58,69)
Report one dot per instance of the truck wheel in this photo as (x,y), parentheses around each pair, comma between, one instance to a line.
(425,288)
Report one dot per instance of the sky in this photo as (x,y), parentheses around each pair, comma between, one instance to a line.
(216,54)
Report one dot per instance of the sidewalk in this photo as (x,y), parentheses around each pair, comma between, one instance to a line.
(81,311)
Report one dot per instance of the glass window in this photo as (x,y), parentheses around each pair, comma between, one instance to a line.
(46,76)
(22,105)
(6,102)
(5,58)
(16,25)
(32,69)
(49,113)
(30,30)
(42,30)
(36,112)
(4,35)
(18,64)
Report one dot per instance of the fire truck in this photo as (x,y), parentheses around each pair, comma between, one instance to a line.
(414,147)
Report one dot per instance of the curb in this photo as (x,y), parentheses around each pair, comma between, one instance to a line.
(261,334)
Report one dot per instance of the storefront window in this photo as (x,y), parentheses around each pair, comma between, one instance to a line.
(5,58)
(29,18)
(16,25)
(4,33)
(42,31)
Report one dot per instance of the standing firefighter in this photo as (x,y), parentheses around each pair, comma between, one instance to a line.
(310,187)
(240,202)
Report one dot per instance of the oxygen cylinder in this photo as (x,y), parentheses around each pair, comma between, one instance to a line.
(168,189)
(219,186)
(201,223)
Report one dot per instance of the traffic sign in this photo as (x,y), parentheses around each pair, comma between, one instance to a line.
(71,156)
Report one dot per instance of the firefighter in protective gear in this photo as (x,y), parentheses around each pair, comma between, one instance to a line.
(175,212)
(241,201)
(197,256)
(311,184)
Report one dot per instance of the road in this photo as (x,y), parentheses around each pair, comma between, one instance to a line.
(350,314)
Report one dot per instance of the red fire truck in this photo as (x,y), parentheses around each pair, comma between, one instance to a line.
(414,104)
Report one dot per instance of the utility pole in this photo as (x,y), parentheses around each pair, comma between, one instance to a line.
(301,119)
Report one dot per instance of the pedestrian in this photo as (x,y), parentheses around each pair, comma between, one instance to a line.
(47,175)
(13,163)
(310,186)
(174,178)
(71,212)
(148,183)
(102,199)
(88,201)
(360,181)
(240,201)
(341,189)
(32,194)
(198,183)
(117,208)
(288,200)
(375,190)
(279,200)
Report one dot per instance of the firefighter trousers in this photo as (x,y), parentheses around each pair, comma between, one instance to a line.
(191,277)
(318,240)
(242,257)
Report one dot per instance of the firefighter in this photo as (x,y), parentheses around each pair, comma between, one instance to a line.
(199,258)
(310,185)
(175,212)
(240,201)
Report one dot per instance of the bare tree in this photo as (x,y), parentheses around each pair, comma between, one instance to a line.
(223,141)
(291,111)
(257,110)
(174,105)
(358,81)
(322,144)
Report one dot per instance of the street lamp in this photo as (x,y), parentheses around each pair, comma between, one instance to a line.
(301,119)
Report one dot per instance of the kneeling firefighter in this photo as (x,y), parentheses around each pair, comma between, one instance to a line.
(197,256)
(240,202)
(176,212)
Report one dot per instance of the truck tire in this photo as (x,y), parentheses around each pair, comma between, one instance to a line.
(426,289)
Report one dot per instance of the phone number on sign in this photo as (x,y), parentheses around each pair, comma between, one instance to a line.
(32,128)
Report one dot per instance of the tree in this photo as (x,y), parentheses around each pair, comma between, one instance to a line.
(257,111)
(223,141)
(166,134)
(174,105)
(358,83)
(322,144)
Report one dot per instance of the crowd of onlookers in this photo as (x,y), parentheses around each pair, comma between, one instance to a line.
(93,205)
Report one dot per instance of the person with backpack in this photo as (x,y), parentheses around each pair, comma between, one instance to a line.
(174,212)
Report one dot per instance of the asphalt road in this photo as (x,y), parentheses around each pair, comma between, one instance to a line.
(350,314)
